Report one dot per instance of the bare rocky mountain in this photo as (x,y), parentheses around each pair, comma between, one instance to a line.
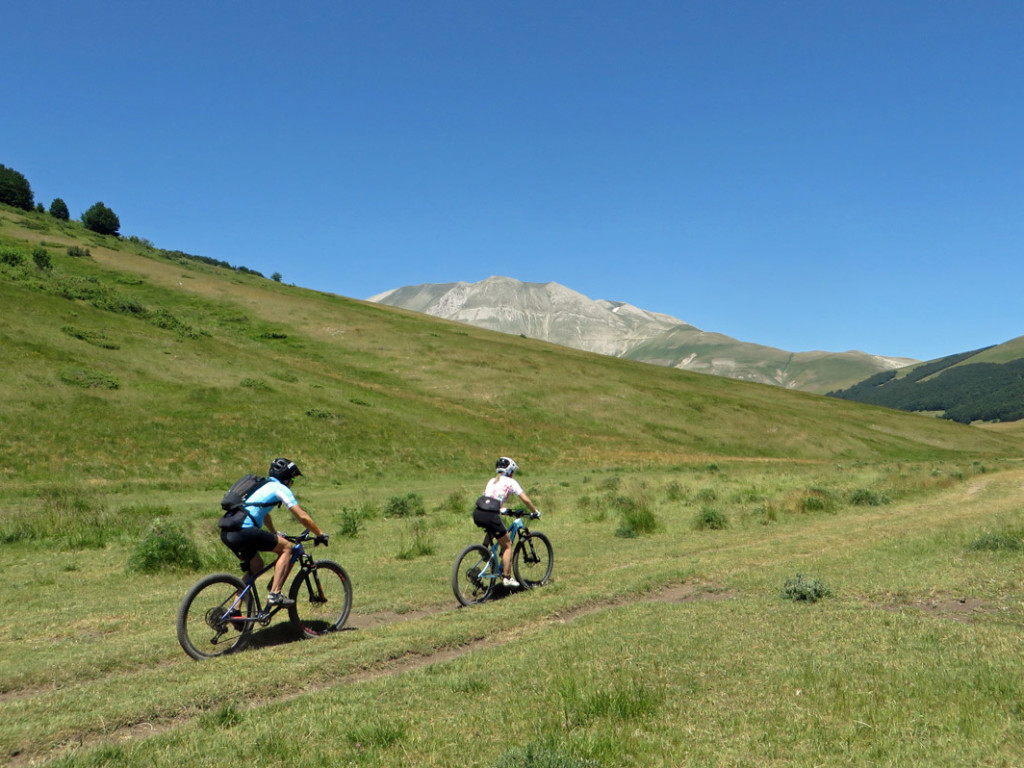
(557,314)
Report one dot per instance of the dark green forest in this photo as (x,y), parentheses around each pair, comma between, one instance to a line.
(960,392)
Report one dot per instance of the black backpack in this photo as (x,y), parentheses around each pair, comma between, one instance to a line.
(234,500)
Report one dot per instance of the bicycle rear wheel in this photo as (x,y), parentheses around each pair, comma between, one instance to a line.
(533,560)
(205,626)
(323,599)
(472,576)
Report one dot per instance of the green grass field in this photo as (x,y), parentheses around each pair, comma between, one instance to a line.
(681,507)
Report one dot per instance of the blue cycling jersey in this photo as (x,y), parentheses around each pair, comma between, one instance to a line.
(261,501)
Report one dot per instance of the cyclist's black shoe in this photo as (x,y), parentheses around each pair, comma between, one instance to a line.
(276,598)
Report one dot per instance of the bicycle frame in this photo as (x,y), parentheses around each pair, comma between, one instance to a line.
(514,529)
(261,616)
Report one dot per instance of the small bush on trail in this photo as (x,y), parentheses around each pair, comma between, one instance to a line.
(165,546)
(410,505)
(800,588)
(710,519)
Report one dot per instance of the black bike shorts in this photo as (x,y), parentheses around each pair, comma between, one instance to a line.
(490,522)
(248,541)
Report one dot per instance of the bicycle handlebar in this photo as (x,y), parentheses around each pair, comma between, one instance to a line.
(306,535)
(520,513)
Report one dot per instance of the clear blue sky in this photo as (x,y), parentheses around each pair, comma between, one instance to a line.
(807,175)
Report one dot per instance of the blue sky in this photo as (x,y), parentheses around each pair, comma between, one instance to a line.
(807,175)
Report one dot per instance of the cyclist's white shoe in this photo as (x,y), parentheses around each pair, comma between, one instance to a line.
(276,598)
(510,583)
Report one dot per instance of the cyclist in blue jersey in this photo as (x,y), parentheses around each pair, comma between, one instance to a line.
(253,538)
(500,487)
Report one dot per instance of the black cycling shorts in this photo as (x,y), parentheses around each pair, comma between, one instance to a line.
(248,541)
(490,522)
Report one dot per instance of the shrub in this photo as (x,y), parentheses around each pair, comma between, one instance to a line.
(710,519)
(165,546)
(420,545)
(800,588)
(865,497)
(11,257)
(348,524)
(79,253)
(636,515)
(455,504)
(995,542)
(88,379)
(405,506)
(41,258)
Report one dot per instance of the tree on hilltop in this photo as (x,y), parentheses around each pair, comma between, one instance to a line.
(15,189)
(59,209)
(99,218)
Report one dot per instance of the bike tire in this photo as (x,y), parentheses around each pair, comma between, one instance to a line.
(203,631)
(323,599)
(533,560)
(469,589)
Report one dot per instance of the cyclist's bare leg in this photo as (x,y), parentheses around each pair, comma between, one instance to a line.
(283,550)
(506,556)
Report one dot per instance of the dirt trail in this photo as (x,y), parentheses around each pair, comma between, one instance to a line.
(679,593)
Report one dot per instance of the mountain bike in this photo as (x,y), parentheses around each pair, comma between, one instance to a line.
(218,614)
(478,568)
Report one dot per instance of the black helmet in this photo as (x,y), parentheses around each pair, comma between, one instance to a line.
(284,469)
(505,466)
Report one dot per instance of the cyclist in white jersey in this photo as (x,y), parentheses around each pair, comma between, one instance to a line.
(500,487)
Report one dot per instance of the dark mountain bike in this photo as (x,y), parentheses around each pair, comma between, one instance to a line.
(218,614)
(478,567)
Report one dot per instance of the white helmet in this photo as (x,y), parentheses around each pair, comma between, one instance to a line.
(505,466)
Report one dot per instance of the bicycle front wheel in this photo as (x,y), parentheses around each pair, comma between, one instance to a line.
(472,576)
(210,618)
(533,560)
(323,599)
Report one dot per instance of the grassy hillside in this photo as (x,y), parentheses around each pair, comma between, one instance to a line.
(139,383)
(126,365)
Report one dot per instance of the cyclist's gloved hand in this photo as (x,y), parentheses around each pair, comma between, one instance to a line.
(537,514)
(321,539)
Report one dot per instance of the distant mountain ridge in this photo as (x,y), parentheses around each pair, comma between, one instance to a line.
(555,313)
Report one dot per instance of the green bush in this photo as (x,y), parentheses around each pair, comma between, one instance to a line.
(635,514)
(79,253)
(42,260)
(11,257)
(348,524)
(865,497)
(88,379)
(800,588)
(420,544)
(165,546)
(996,542)
(710,519)
(405,506)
